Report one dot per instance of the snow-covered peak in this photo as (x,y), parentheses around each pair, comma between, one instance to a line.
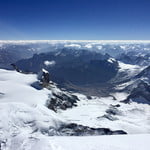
(111,60)
(45,71)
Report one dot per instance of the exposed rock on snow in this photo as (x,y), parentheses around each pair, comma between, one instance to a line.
(62,101)
(15,67)
(45,78)
(26,123)
(140,94)
(112,110)
(24,114)
(108,116)
(80,130)
(105,112)
(144,73)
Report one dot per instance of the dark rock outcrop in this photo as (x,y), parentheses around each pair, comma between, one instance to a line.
(111,113)
(134,58)
(80,130)
(15,67)
(112,110)
(144,73)
(108,116)
(140,94)
(45,78)
(62,101)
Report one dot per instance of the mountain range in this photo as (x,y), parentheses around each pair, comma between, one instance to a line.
(72,88)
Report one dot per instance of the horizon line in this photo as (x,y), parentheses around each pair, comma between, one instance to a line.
(99,41)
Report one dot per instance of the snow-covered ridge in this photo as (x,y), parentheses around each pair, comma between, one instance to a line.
(104,46)
(132,70)
(17,88)
(22,107)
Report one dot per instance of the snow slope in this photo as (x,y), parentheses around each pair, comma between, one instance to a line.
(133,118)
(16,87)
(117,142)
(131,70)
(22,107)
(26,124)
(123,142)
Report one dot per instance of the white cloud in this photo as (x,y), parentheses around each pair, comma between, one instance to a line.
(73,45)
(49,63)
(88,46)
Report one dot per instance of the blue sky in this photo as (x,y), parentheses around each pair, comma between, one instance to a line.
(74,19)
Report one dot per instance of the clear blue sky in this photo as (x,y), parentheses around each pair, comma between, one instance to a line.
(74,19)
